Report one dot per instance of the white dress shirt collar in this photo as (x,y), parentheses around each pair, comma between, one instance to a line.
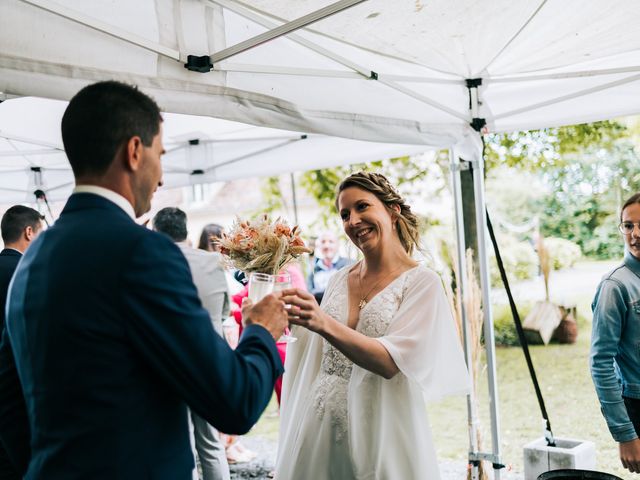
(110,195)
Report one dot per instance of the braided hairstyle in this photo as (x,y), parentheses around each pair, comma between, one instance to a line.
(376,183)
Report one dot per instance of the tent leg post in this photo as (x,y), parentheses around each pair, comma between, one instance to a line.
(472,414)
(485,285)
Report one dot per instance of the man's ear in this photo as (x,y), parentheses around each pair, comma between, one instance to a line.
(133,153)
(29,233)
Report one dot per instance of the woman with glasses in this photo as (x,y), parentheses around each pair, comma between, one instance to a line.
(615,341)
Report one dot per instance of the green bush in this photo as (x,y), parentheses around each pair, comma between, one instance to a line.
(519,258)
(504,329)
(564,253)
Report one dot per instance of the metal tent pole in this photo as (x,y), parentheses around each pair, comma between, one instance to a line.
(461,284)
(295,199)
(485,285)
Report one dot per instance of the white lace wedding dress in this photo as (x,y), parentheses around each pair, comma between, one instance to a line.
(340,421)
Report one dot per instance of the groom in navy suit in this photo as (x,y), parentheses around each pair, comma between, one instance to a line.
(106,341)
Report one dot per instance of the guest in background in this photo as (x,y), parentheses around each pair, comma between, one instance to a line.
(326,264)
(208,243)
(209,279)
(208,235)
(19,226)
(615,364)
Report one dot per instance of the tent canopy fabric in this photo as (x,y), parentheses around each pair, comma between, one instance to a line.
(199,150)
(381,71)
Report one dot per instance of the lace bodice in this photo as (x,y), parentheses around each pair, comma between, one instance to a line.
(335,370)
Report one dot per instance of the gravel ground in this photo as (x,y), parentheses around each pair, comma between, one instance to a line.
(266,449)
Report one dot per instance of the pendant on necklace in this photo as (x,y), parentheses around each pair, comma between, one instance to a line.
(362,303)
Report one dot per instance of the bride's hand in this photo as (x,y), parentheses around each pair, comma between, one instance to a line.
(304,310)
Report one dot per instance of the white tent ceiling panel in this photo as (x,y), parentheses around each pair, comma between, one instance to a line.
(199,150)
(624,99)
(320,79)
(36,34)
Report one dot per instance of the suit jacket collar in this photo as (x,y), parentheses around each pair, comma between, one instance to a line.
(110,195)
(85,201)
(10,252)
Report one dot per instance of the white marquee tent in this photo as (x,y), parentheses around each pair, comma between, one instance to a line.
(403,71)
(199,150)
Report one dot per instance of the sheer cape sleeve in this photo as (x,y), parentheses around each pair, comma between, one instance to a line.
(388,420)
(422,338)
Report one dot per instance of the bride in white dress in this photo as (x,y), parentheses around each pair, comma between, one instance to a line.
(383,340)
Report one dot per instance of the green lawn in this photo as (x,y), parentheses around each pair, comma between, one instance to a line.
(563,374)
(571,402)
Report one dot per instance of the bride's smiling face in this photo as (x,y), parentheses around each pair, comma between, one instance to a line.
(365,219)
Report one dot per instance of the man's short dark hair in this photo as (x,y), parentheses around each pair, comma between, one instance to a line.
(16,219)
(172,222)
(100,118)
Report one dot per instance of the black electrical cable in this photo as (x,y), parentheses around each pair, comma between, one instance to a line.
(521,337)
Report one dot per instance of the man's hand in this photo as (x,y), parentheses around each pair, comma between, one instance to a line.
(630,455)
(268,312)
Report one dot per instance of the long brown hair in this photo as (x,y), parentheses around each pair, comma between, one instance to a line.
(376,183)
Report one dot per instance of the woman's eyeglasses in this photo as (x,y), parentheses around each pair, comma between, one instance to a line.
(627,227)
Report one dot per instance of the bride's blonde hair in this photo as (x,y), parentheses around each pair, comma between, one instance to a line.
(376,183)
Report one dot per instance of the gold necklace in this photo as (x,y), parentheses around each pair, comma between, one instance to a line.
(363,298)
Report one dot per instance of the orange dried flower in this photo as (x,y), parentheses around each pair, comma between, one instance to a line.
(262,245)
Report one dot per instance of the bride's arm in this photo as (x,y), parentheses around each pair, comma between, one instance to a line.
(364,351)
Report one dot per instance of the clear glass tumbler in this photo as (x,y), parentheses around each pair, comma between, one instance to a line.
(282,281)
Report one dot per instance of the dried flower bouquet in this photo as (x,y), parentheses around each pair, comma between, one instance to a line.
(262,245)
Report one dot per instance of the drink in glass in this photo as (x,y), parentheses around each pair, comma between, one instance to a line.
(260,285)
(282,281)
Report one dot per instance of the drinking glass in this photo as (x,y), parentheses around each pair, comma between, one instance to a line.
(260,285)
(282,281)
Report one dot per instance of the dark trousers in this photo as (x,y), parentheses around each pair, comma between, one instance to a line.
(633,409)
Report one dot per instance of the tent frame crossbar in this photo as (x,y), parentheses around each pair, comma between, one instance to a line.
(106,28)
(29,152)
(212,168)
(39,143)
(317,72)
(564,75)
(515,35)
(253,154)
(250,15)
(365,72)
(283,29)
(564,98)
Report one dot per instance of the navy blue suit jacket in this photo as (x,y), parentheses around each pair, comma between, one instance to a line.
(9,259)
(109,341)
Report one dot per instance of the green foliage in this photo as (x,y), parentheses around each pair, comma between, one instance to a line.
(547,148)
(272,194)
(563,253)
(519,259)
(584,174)
(403,172)
(504,328)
